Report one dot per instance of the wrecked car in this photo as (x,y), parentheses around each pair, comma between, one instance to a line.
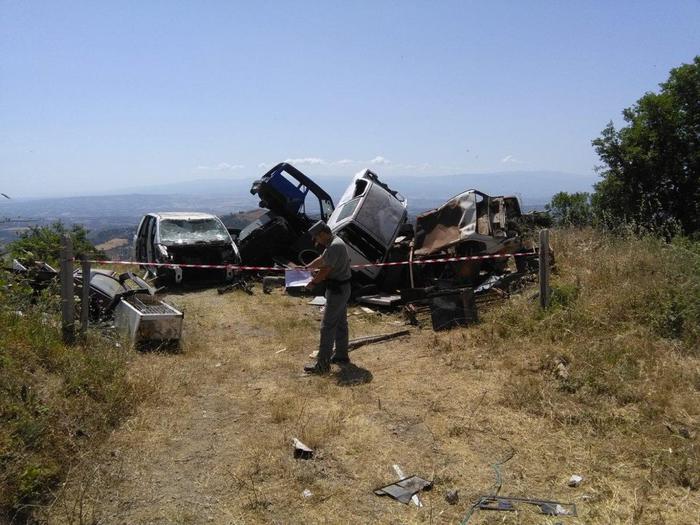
(185,238)
(471,223)
(131,302)
(368,218)
(294,202)
(107,288)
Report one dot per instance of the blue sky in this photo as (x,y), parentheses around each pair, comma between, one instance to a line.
(120,94)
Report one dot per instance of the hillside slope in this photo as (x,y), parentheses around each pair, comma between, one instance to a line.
(605,384)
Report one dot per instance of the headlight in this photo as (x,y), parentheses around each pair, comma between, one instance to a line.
(163,252)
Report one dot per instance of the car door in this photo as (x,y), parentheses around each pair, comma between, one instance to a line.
(140,240)
(151,236)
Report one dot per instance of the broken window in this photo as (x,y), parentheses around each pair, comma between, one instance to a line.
(380,214)
(347,209)
(179,231)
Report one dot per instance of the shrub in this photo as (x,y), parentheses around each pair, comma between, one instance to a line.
(54,399)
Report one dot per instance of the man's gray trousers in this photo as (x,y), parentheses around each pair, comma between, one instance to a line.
(334,326)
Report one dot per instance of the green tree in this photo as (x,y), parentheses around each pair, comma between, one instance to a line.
(651,166)
(43,243)
(571,209)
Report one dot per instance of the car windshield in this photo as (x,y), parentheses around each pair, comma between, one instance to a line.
(106,284)
(184,231)
(346,210)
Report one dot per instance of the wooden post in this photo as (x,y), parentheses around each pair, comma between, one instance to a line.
(67,301)
(410,265)
(544,268)
(85,296)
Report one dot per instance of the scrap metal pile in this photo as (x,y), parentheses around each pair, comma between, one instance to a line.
(450,260)
(125,299)
(470,251)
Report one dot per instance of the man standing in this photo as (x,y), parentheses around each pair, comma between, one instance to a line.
(333,267)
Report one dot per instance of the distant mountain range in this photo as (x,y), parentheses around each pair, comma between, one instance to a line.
(534,187)
(224,196)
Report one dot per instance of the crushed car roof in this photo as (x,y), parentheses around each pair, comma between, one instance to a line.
(182,215)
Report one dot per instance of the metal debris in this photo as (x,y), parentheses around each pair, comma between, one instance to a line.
(509,503)
(404,489)
(271,281)
(301,451)
(238,285)
(383,299)
(146,320)
(450,311)
(575,480)
(354,344)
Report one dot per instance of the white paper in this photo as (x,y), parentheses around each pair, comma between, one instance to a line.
(296,278)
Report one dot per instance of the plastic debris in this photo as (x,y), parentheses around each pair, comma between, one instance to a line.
(575,480)
(301,451)
(404,489)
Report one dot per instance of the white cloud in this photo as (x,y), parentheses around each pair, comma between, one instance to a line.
(309,161)
(263,165)
(344,161)
(222,166)
(510,159)
(422,167)
(379,160)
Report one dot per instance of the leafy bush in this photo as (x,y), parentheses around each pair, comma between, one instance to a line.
(651,165)
(571,209)
(43,243)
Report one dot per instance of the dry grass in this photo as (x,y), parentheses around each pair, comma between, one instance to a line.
(592,386)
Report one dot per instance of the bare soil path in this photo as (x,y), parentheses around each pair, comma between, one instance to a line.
(212,443)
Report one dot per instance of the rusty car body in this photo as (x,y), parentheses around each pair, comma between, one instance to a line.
(471,223)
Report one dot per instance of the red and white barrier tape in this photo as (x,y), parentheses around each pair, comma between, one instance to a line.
(278,269)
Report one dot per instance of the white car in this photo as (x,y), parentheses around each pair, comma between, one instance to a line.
(368,218)
(185,238)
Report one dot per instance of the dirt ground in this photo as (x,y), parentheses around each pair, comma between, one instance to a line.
(213,441)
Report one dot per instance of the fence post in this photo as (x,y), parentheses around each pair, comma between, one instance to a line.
(85,295)
(67,301)
(544,268)
(410,265)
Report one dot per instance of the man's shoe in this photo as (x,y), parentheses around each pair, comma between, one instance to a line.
(340,360)
(316,369)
